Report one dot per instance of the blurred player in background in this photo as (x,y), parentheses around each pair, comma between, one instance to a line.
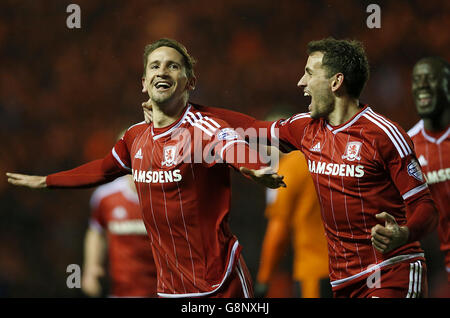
(431,137)
(365,173)
(116,230)
(180,165)
(293,213)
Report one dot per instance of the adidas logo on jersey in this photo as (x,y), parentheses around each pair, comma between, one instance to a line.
(138,154)
(317,147)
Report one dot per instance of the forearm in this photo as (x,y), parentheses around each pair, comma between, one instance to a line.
(239,154)
(423,217)
(94,253)
(88,175)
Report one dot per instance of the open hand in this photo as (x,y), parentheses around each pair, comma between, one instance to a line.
(390,236)
(34,182)
(265,176)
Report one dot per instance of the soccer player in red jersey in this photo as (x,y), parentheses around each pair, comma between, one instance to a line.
(431,137)
(180,165)
(116,229)
(365,173)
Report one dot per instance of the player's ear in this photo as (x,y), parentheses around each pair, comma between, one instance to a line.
(144,89)
(338,80)
(191,83)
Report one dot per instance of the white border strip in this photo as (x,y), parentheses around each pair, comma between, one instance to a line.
(241,275)
(116,156)
(229,144)
(434,140)
(350,122)
(411,192)
(373,120)
(390,261)
(227,273)
(395,132)
(155,137)
(415,280)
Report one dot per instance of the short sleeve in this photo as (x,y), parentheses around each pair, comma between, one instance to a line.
(287,134)
(121,150)
(227,145)
(400,160)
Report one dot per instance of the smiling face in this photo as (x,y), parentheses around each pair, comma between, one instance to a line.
(316,84)
(430,88)
(165,78)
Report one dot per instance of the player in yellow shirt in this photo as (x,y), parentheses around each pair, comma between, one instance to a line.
(294,213)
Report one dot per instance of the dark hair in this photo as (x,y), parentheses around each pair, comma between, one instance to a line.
(189,61)
(346,57)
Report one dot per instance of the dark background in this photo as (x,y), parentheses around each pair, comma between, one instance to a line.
(65,94)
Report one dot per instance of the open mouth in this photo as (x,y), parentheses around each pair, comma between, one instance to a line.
(163,85)
(423,99)
(308,94)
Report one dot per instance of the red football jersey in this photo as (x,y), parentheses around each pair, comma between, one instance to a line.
(116,212)
(184,190)
(433,152)
(360,168)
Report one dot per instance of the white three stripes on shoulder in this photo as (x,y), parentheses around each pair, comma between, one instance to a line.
(302,115)
(206,124)
(391,131)
(394,130)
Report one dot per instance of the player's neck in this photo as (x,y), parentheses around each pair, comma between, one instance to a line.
(344,109)
(437,123)
(165,115)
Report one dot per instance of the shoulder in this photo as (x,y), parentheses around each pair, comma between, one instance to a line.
(389,133)
(209,123)
(106,190)
(135,129)
(304,117)
(415,130)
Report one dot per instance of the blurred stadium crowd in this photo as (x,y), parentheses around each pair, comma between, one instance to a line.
(66,93)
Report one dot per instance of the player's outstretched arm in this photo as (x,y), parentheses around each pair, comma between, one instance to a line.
(265,176)
(87,175)
(23,180)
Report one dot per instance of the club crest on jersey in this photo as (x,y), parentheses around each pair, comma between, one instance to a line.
(352,151)
(169,156)
(414,170)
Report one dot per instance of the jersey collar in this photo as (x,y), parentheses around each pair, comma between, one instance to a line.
(161,132)
(351,121)
(434,139)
